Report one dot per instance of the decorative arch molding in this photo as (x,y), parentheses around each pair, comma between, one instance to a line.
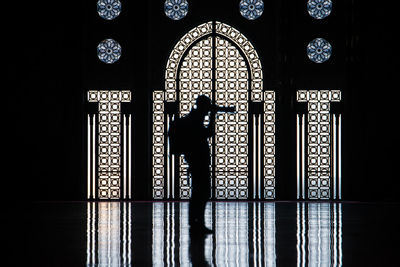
(229,32)
(171,71)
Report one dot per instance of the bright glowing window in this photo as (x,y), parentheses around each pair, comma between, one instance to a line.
(176,9)
(109,9)
(251,9)
(319,50)
(109,51)
(217,60)
(319,9)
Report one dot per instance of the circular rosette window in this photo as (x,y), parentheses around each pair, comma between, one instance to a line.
(319,50)
(176,9)
(319,9)
(251,9)
(109,51)
(108,9)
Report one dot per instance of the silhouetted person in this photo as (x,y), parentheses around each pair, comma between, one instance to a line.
(196,249)
(198,159)
(189,137)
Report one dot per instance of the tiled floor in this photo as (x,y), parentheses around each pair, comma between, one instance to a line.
(246,234)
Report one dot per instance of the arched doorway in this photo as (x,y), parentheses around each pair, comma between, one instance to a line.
(217,60)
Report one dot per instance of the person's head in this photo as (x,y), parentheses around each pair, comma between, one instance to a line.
(203,104)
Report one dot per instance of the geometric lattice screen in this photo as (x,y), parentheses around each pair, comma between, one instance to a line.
(318,146)
(217,60)
(109,152)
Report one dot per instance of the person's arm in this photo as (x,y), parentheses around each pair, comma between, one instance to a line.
(211,125)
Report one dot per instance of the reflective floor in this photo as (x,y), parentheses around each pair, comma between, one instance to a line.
(246,234)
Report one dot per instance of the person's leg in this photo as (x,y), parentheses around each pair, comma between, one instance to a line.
(200,196)
(195,199)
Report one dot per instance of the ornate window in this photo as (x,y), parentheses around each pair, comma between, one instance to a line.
(217,60)
(251,9)
(109,51)
(108,146)
(318,146)
(176,9)
(319,50)
(319,9)
(109,9)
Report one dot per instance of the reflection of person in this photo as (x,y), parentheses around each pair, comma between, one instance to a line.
(198,159)
(196,250)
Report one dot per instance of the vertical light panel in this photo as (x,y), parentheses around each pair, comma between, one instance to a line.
(108,249)
(109,141)
(89,157)
(195,78)
(319,140)
(298,155)
(269,144)
(256,74)
(231,139)
(158,144)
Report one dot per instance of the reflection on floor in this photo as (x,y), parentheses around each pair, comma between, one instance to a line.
(245,234)
(109,234)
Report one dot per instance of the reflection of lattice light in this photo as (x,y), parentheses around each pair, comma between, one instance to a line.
(109,234)
(109,140)
(319,234)
(176,55)
(319,154)
(158,144)
(251,56)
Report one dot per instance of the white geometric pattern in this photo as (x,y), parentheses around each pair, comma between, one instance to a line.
(109,140)
(319,140)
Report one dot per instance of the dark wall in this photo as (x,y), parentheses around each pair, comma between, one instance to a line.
(51,61)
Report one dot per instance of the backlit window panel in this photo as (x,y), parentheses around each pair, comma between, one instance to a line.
(109,141)
(317,145)
(269,144)
(158,144)
(231,139)
(195,77)
(245,235)
(251,55)
(176,55)
(217,60)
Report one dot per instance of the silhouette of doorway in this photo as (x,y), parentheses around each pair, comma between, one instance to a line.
(217,60)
